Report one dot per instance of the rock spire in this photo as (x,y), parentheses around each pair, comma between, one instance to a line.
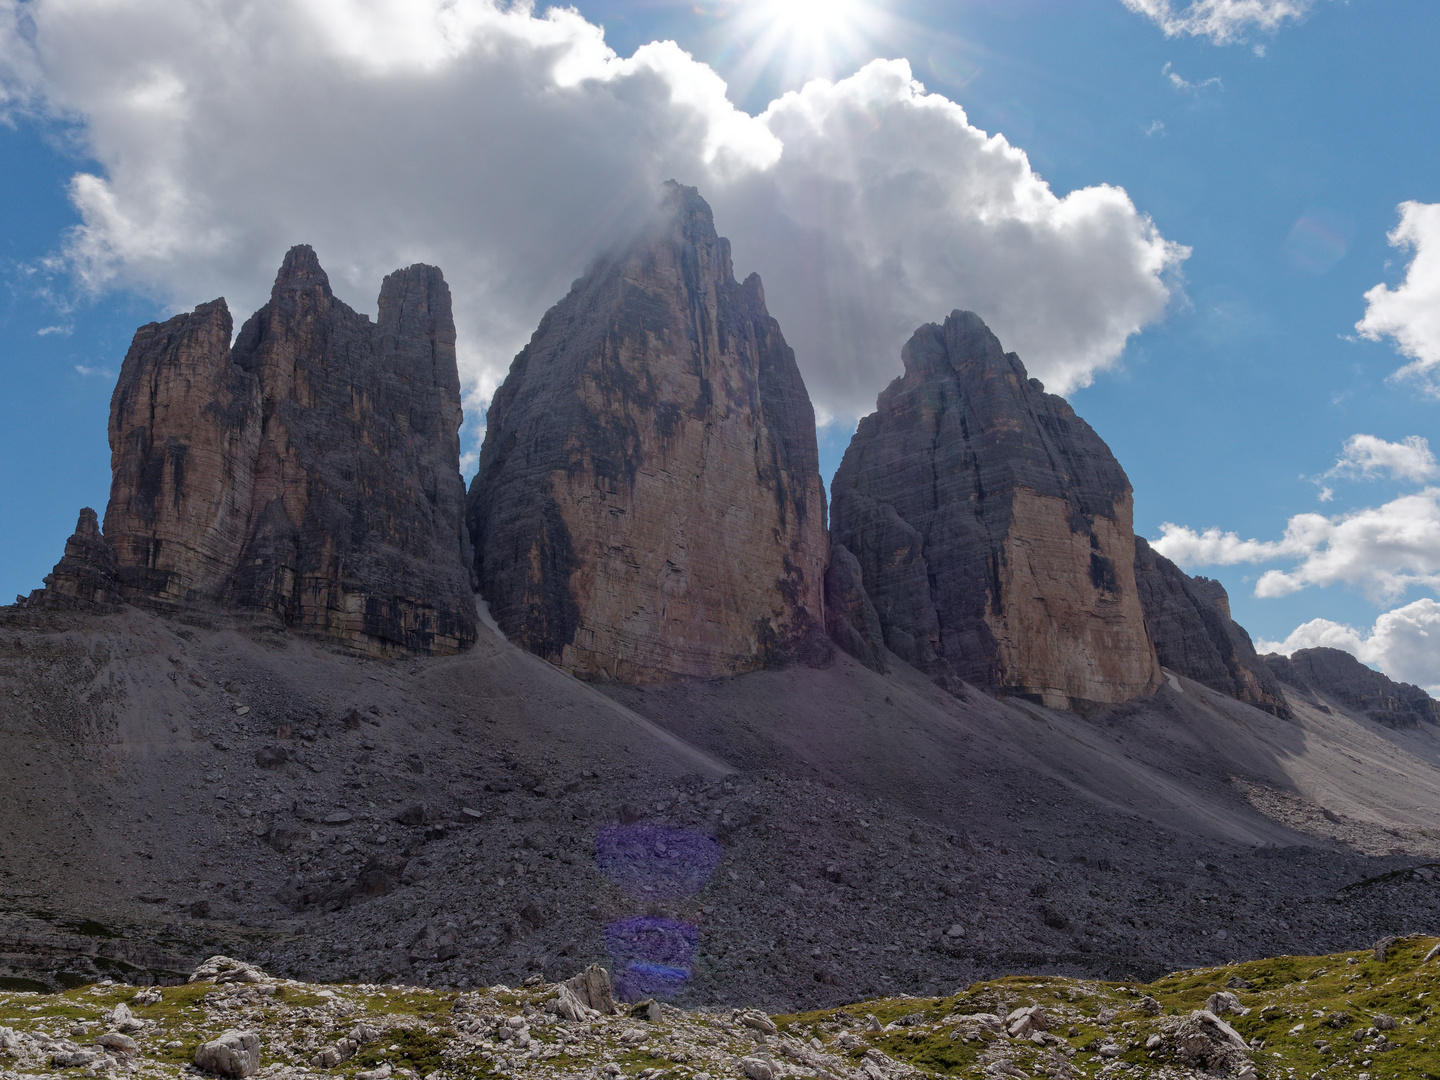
(311,471)
(648,502)
(993,528)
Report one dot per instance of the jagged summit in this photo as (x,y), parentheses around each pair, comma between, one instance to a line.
(993,527)
(1341,677)
(310,472)
(648,501)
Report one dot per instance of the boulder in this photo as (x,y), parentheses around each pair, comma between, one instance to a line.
(309,471)
(593,989)
(993,528)
(1344,679)
(1189,621)
(1202,1040)
(235,1054)
(648,502)
(223,969)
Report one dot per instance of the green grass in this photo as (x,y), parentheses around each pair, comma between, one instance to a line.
(1283,991)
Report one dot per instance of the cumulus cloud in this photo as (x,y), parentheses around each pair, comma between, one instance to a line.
(1404,643)
(1410,313)
(1222,21)
(1368,457)
(511,148)
(1384,550)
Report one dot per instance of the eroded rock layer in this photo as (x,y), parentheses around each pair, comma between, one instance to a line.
(311,471)
(993,528)
(648,501)
(1189,622)
(1338,675)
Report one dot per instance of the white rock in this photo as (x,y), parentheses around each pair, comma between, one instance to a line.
(757,1068)
(235,1054)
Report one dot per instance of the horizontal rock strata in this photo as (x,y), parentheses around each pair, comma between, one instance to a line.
(310,472)
(648,501)
(1339,676)
(1189,622)
(993,528)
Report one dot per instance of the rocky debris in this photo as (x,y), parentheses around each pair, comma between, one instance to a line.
(1058,1027)
(222,969)
(309,472)
(1338,675)
(346,1048)
(1189,621)
(235,1054)
(993,528)
(1223,1002)
(648,501)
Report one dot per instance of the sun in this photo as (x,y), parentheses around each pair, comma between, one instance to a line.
(813,18)
(804,39)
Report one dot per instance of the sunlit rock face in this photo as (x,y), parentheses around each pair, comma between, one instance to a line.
(311,471)
(1189,622)
(648,502)
(993,528)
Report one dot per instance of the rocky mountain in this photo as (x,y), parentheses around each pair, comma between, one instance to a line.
(1189,622)
(993,528)
(310,471)
(648,501)
(1338,675)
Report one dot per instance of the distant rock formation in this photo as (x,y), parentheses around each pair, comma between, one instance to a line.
(993,528)
(1189,622)
(648,502)
(311,471)
(1338,675)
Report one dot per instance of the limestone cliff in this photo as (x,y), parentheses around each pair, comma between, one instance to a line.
(1338,675)
(1189,622)
(648,501)
(310,471)
(993,528)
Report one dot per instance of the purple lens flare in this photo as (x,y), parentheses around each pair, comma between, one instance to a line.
(653,955)
(656,861)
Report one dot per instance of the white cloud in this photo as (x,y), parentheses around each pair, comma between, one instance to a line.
(510,149)
(1183,84)
(1222,21)
(1404,643)
(1366,456)
(1411,313)
(63,331)
(1384,550)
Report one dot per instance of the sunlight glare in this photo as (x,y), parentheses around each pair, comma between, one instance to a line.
(803,39)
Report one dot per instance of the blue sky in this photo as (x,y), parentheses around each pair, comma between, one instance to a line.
(1279,157)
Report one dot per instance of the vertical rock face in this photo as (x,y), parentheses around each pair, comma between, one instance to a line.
(1189,622)
(993,528)
(648,501)
(311,471)
(1338,675)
